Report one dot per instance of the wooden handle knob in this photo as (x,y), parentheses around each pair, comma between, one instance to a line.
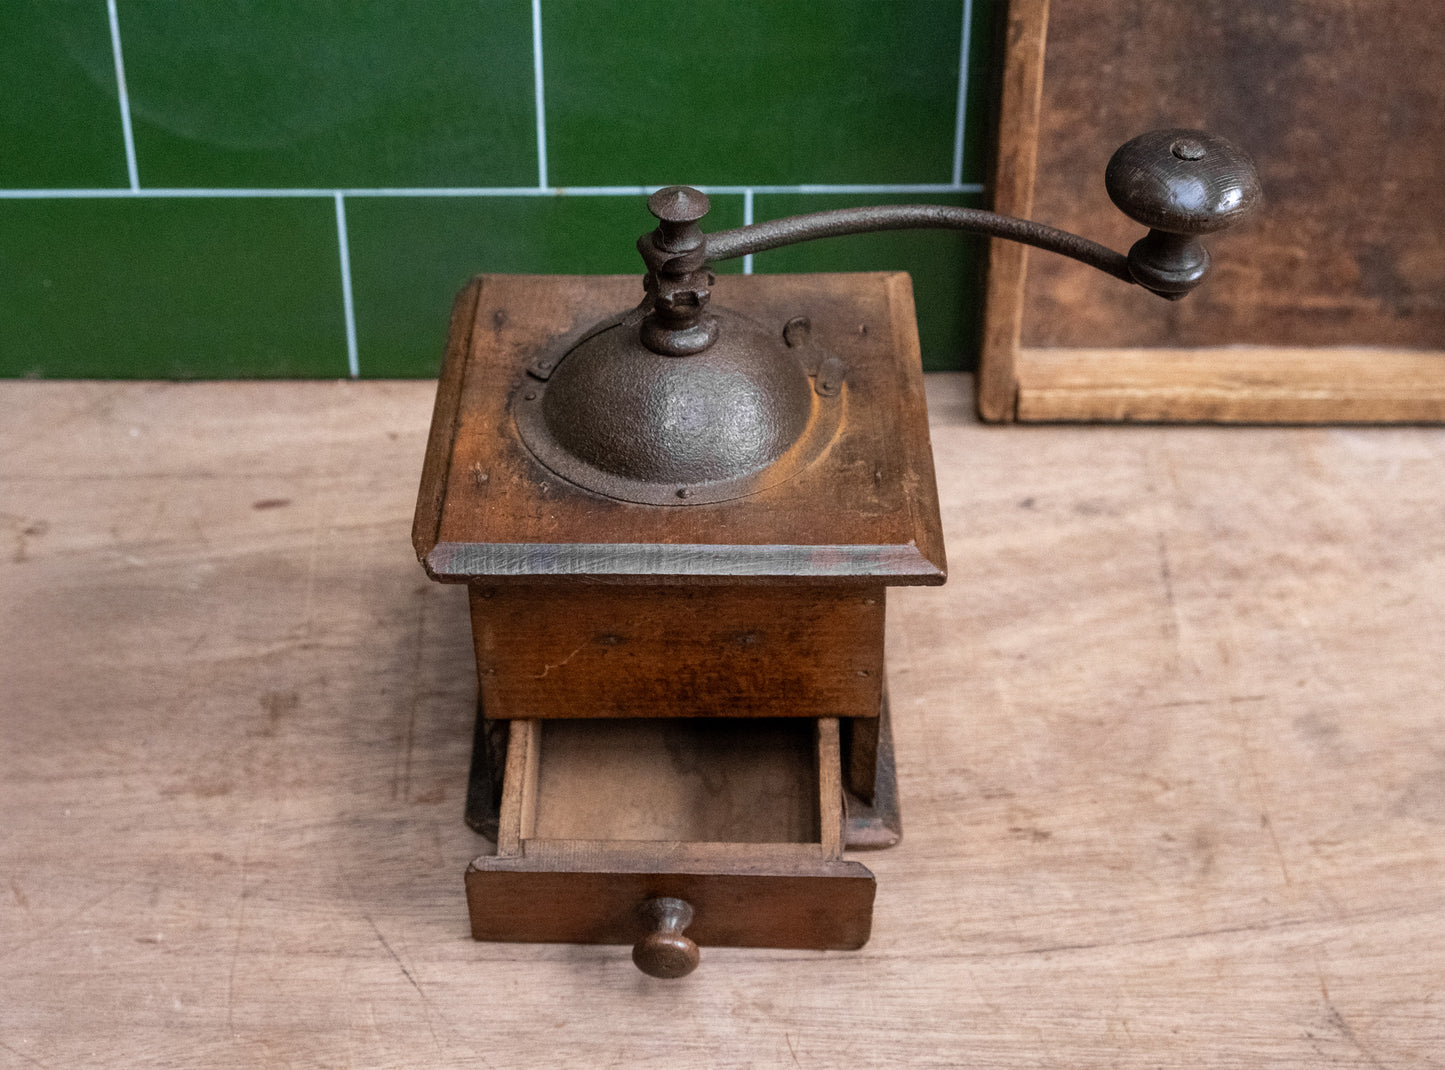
(665,951)
(1182,181)
(1179,184)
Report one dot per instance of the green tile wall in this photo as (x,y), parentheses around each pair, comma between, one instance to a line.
(184,288)
(437,93)
(298,187)
(59,124)
(852,91)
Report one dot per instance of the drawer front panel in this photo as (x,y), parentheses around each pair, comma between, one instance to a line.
(779,882)
(821,905)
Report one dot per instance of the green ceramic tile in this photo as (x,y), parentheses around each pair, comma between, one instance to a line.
(301,93)
(947,268)
(183,288)
(410,256)
(751,92)
(59,120)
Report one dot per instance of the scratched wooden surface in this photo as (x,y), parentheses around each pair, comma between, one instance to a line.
(1342,105)
(1170,751)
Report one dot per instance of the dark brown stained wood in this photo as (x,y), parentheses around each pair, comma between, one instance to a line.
(866,511)
(860,739)
(1011,187)
(437,463)
(629,651)
(907,412)
(545,884)
(872,818)
(739,901)
(486,774)
(1342,105)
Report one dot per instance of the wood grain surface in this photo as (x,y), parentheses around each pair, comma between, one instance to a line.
(1169,744)
(686,779)
(1011,192)
(675,651)
(1237,384)
(1342,105)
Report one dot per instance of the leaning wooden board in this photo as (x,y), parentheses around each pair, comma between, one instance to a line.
(1328,307)
(1169,745)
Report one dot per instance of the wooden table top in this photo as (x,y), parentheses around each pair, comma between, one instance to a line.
(1171,752)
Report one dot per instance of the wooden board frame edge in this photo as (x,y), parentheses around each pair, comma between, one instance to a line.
(1231,385)
(1012,184)
(1228,384)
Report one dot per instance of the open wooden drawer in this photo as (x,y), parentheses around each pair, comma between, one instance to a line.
(630,831)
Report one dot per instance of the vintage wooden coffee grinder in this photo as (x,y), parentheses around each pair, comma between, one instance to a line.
(677,521)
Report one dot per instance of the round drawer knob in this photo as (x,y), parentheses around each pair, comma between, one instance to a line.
(665,951)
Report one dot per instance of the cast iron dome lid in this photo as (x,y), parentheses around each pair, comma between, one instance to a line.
(678,420)
(675,403)
(617,418)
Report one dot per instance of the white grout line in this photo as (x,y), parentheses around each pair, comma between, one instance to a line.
(130,166)
(475,191)
(537,82)
(962,115)
(747,222)
(352,362)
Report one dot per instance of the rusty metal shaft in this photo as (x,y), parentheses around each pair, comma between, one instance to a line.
(759,237)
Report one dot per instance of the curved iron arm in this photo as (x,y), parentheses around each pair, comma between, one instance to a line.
(759,237)
(1178,183)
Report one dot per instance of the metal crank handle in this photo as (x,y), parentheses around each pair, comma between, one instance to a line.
(1179,183)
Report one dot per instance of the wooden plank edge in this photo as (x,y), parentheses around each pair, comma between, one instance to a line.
(830,788)
(425,529)
(691,856)
(924,513)
(892,565)
(517,815)
(1236,384)
(1012,181)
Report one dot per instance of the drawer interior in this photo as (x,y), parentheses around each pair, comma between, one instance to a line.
(694,779)
(683,780)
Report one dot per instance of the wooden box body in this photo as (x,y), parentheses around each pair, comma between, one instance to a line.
(641,666)
(766,605)
(670,650)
